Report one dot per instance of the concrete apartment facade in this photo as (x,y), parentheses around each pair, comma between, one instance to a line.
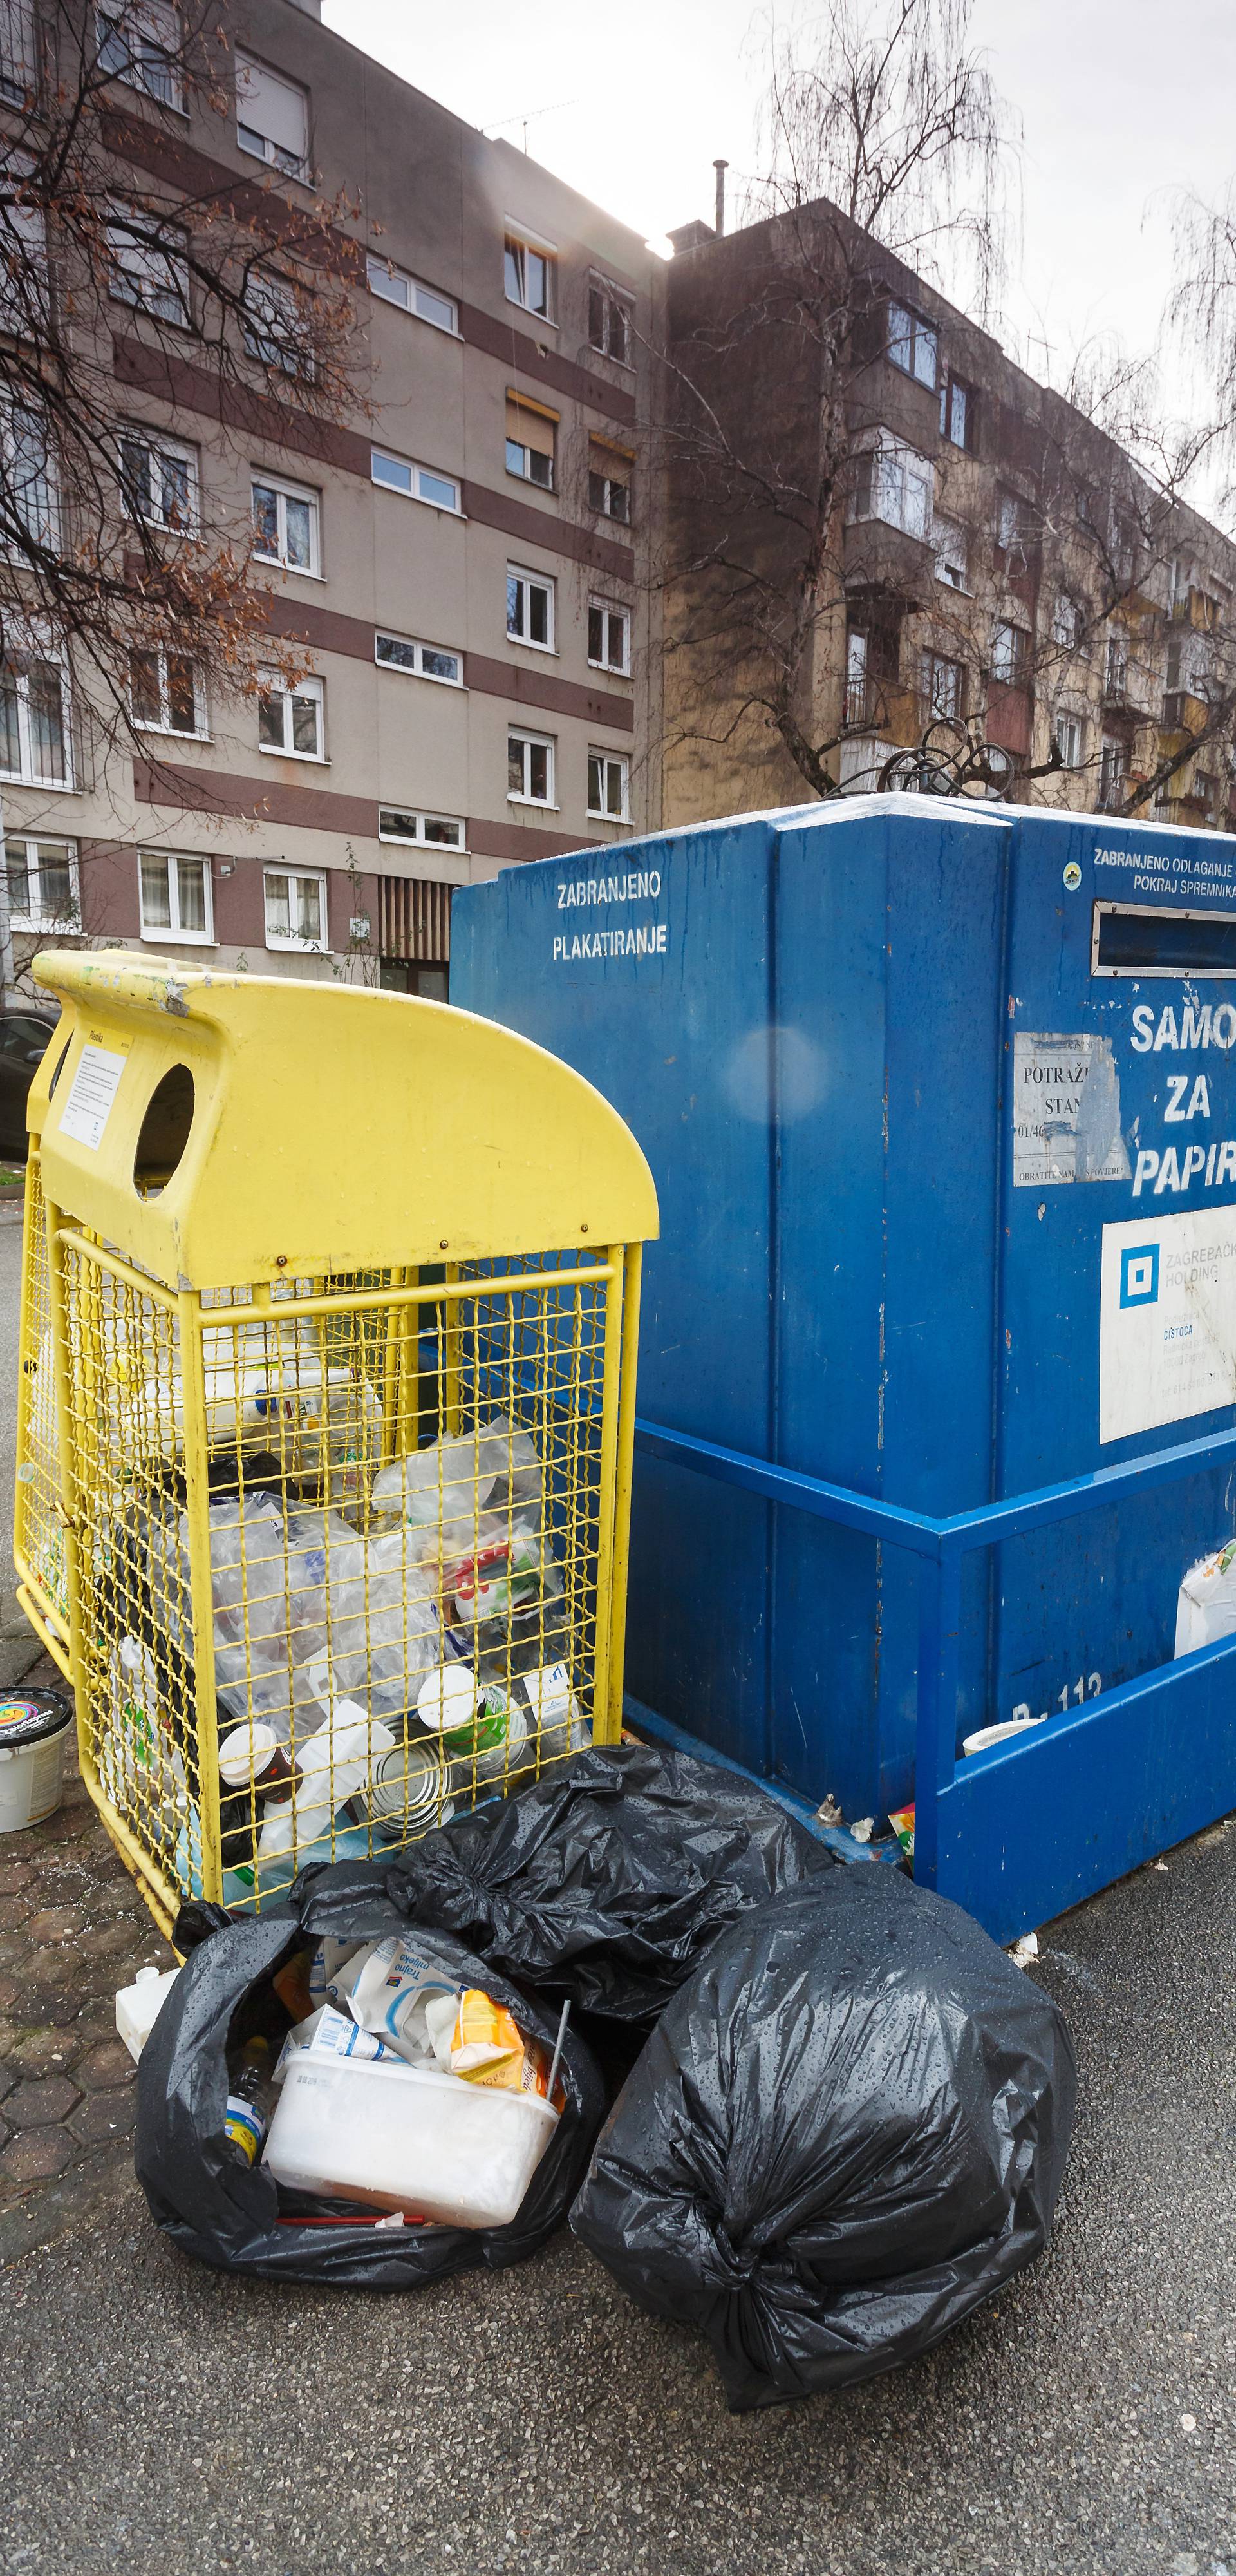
(466,563)
(992,555)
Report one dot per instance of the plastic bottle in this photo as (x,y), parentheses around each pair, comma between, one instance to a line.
(250,2101)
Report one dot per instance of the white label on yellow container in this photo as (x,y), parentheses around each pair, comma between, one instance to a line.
(96,1082)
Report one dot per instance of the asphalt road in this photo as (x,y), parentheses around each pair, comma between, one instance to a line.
(161,2420)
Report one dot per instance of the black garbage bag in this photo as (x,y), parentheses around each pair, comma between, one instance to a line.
(843,2135)
(610,1879)
(228,2213)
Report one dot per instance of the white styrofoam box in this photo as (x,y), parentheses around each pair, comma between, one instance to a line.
(406,2137)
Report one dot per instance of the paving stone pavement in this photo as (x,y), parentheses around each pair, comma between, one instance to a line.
(72,1929)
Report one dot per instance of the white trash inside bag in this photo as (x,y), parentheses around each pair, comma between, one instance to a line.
(1206,1602)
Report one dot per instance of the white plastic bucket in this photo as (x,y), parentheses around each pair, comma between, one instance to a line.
(34,1726)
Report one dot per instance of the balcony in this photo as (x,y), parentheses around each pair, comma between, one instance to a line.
(886,708)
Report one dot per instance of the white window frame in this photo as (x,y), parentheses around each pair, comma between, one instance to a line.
(284,492)
(43,918)
(398,286)
(916,328)
(272,326)
(524,582)
(609,760)
(1012,677)
(135,288)
(523,470)
(415,669)
(23,252)
(134,22)
(517,242)
(159,933)
(261,147)
(26,775)
(1066,623)
(18,55)
(617,298)
(607,609)
(547,743)
(278,939)
(406,477)
(135,432)
(1068,720)
(41,472)
(902,490)
(420,837)
(311,687)
(200,729)
(952,566)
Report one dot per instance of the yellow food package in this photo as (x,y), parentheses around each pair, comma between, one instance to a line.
(487,2048)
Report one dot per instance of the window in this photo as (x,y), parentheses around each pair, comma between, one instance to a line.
(856,706)
(1070,740)
(34,723)
(291,720)
(285,524)
(1116,668)
(1013,533)
(175,897)
(950,545)
(29,490)
(158,482)
(18,65)
(23,254)
(272,117)
(958,413)
(418,482)
(609,321)
(423,661)
(296,914)
(530,276)
(531,435)
(278,325)
(529,608)
(894,483)
(1066,623)
(609,636)
(1010,653)
(608,780)
(140,43)
(145,272)
(43,891)
(529,769)
(165,693)
(396,287)
(609,481)
(911,344)
(423,831)
(944,686)
(1113,772)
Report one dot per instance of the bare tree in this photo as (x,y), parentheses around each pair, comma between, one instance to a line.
(127,267)
(885,160)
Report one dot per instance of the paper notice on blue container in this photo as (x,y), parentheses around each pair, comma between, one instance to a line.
(1066,1111)
(1167,1330)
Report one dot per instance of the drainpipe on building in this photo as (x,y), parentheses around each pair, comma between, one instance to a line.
(720,167)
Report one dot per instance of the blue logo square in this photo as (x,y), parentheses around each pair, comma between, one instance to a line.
(1139,1275)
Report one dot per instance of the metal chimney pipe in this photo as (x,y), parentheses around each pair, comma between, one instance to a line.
(720,167)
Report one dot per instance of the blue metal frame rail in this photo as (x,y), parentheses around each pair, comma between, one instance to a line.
(1034,1824)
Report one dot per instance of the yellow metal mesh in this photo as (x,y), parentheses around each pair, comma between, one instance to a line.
(38,1538)
(289,1501)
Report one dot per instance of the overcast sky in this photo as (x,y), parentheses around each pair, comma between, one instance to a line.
(631,105)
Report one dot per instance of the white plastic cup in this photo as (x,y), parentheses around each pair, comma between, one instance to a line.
(447,1698)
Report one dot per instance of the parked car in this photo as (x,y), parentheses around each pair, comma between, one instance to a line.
(25,1028)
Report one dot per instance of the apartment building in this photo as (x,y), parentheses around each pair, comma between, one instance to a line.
(986,557)
(464,563)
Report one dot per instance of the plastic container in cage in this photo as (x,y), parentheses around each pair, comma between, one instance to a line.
(329,1314)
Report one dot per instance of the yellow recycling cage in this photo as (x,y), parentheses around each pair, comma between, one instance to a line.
(329,1317)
